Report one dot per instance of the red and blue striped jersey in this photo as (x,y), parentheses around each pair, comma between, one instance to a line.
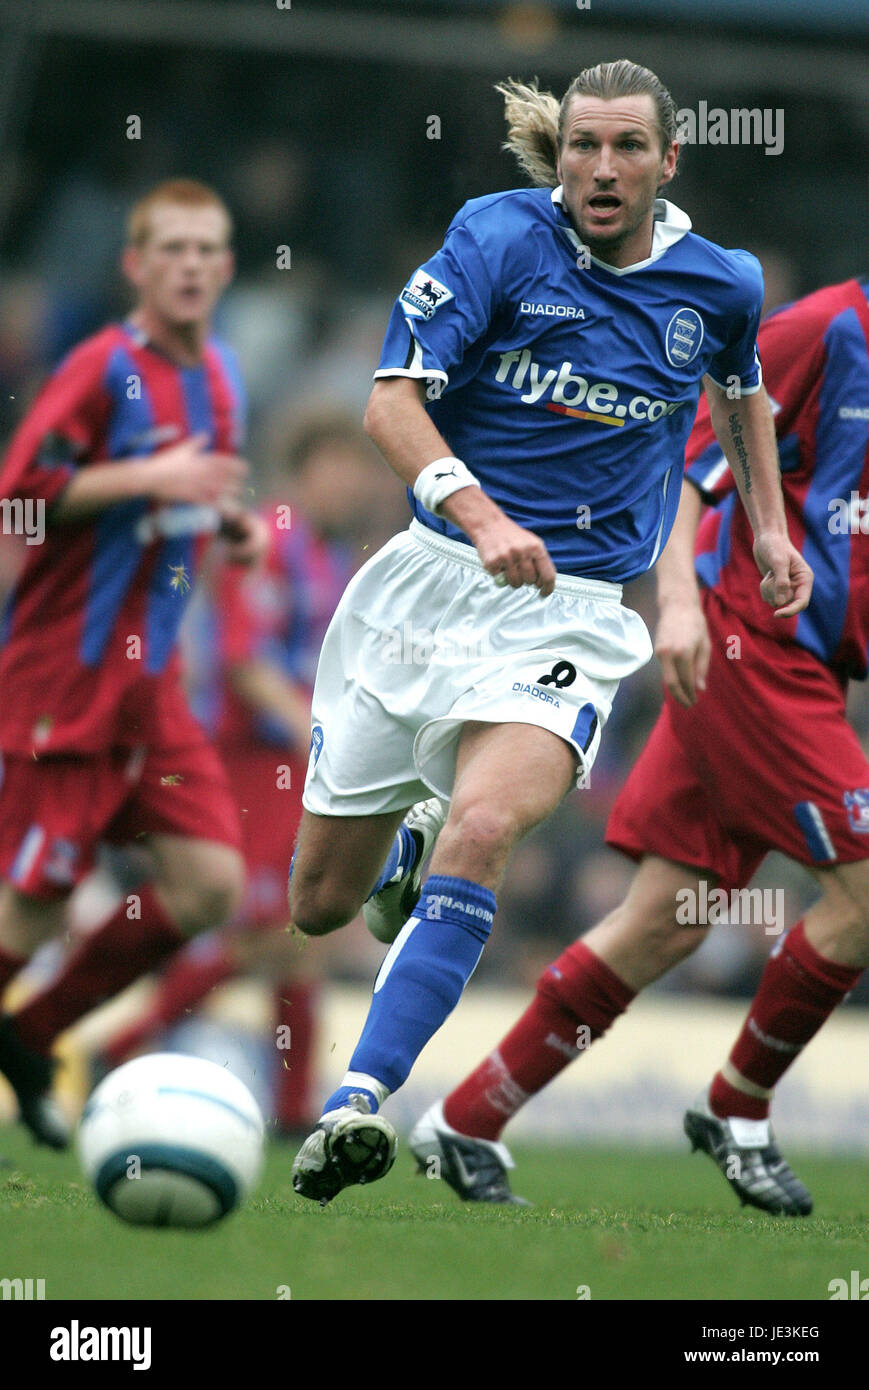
(91,623)
(277,613)
(815,356)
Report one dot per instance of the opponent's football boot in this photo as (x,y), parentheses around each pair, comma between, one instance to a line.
(30,1076)
(476,1169)
(749,1158)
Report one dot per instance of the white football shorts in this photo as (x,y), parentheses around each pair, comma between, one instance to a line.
(423,640)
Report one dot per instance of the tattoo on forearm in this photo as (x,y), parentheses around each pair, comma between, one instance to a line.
(739,445)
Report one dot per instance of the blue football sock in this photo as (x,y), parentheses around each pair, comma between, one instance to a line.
(422,978)
(401,858)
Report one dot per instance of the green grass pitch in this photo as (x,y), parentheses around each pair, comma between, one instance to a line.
(623,1223)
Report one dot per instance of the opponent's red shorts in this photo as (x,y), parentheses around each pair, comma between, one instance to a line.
(55,810)
(267,785)
(765,760)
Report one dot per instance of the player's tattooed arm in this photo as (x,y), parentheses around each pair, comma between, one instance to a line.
(745,430)
(735,426)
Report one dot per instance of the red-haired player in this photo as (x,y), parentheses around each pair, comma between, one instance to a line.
(252,652)
(132,450)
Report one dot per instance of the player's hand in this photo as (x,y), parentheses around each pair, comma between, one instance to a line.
(682,647)
(514,556)
(508,552)
(244,533)
(787,579)
(188,472)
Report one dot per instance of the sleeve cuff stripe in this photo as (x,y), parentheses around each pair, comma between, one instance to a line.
(418,373)
(743,390)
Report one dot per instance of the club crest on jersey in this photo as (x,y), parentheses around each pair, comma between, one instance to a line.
(424,295)
(683,337)
(857,805)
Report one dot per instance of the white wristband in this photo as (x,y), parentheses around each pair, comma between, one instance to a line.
(439,480)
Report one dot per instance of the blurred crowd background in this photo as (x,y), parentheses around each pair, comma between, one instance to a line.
(314,122)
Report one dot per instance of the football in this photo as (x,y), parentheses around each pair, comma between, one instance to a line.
(171,1140)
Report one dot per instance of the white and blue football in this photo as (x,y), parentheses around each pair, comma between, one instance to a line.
(171,1140)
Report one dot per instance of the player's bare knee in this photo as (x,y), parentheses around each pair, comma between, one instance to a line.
(681,942)
(849,924)
(844,909)
(320,922)
(475,838)
(26,922)
(213,906)
(645,916)
(669,938)
(855,918)
(487,827)
(206,899)
(321,908)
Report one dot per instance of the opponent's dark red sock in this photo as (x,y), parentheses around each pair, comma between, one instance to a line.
(295,1002)
(190,975)
(798,991)
(725,1100)
(9,967)
(108,960)
(577,999)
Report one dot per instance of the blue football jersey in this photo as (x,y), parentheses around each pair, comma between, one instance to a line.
(569,387)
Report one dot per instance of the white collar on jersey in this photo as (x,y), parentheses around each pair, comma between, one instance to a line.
(671,224)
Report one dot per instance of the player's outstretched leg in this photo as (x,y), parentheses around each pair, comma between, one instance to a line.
(107,960)
(191,973)
(508,778)
(25,922)
(418,985)
(579,996)
(198,882)
(807,976)
(336,861)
